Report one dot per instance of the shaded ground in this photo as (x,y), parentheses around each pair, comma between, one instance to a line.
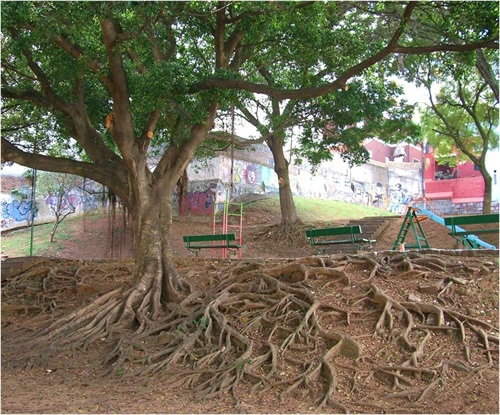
(93,237)
(464,374)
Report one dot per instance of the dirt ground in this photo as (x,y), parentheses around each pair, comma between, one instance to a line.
(76,384)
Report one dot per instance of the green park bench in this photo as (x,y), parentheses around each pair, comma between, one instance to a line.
(467,236)
(216,241)
(333,236)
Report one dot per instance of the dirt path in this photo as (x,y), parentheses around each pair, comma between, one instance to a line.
(92,239)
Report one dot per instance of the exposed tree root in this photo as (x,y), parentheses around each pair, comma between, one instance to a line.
(285,234)
(293,329)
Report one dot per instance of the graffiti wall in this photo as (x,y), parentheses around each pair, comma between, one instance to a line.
(202,198)
(391,185)
(17,209)
(208,186)
(16,212)
(249,178)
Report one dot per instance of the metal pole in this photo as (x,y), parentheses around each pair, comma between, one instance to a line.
(33,207)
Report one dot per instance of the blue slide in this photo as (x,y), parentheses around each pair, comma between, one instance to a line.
(440,220)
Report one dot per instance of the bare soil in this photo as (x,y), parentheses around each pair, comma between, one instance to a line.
(459,373)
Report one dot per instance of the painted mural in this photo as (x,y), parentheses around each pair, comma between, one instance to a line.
(390,186)
(207,195)
(252,178)
(16,210)
(75,200)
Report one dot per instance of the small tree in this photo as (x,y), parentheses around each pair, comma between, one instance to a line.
(59,188)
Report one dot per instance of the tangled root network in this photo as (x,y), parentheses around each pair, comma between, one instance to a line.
(347,332)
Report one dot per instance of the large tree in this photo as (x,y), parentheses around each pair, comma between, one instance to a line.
(123,81)
(339,121)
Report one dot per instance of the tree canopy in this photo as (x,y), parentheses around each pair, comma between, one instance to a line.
(177,56)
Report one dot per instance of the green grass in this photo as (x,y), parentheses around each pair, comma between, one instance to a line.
(318,210)
(17,243)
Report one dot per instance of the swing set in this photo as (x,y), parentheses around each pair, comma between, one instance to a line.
(227,235)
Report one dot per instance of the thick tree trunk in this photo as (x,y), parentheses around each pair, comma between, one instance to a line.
(154,269)
(288,211)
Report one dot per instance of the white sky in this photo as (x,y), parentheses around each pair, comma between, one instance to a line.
(15,169)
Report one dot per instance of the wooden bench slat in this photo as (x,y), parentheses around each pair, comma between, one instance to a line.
(471,219)
(213,246)
(344,241)
(345,230)
(206,238)
(198,241)
(317,236)
(473,232)
(455,221)
(465,235)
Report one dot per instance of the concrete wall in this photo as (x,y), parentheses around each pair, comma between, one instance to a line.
(389,185)
(16,204)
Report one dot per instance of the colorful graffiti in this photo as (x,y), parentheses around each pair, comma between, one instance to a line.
(253,178)
(399,199)
(200,199)
(66,205)
(385,187)
(16,211)
(199,203)
(71,202)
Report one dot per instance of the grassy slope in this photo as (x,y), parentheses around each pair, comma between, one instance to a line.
(317,210)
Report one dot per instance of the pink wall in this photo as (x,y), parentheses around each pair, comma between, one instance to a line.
(464,170)
(459,190)
(463,184)
(380,151)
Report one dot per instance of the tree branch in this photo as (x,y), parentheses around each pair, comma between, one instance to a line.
(486,72)
(313,92)
(76,52)
(108,175)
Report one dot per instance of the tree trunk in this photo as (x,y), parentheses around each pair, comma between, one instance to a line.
(288,211)
(155,282)
(487,189)
(486,72)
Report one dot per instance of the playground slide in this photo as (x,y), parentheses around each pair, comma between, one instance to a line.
(440,220)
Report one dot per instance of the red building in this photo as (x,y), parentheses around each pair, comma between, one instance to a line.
(461,184)
(382,152)
(454,190)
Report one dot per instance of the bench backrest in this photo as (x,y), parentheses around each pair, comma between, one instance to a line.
(209,238)
(471,219)
(345,230)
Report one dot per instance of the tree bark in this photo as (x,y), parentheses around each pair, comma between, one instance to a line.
(487,188)
(288,211)
(486,72)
